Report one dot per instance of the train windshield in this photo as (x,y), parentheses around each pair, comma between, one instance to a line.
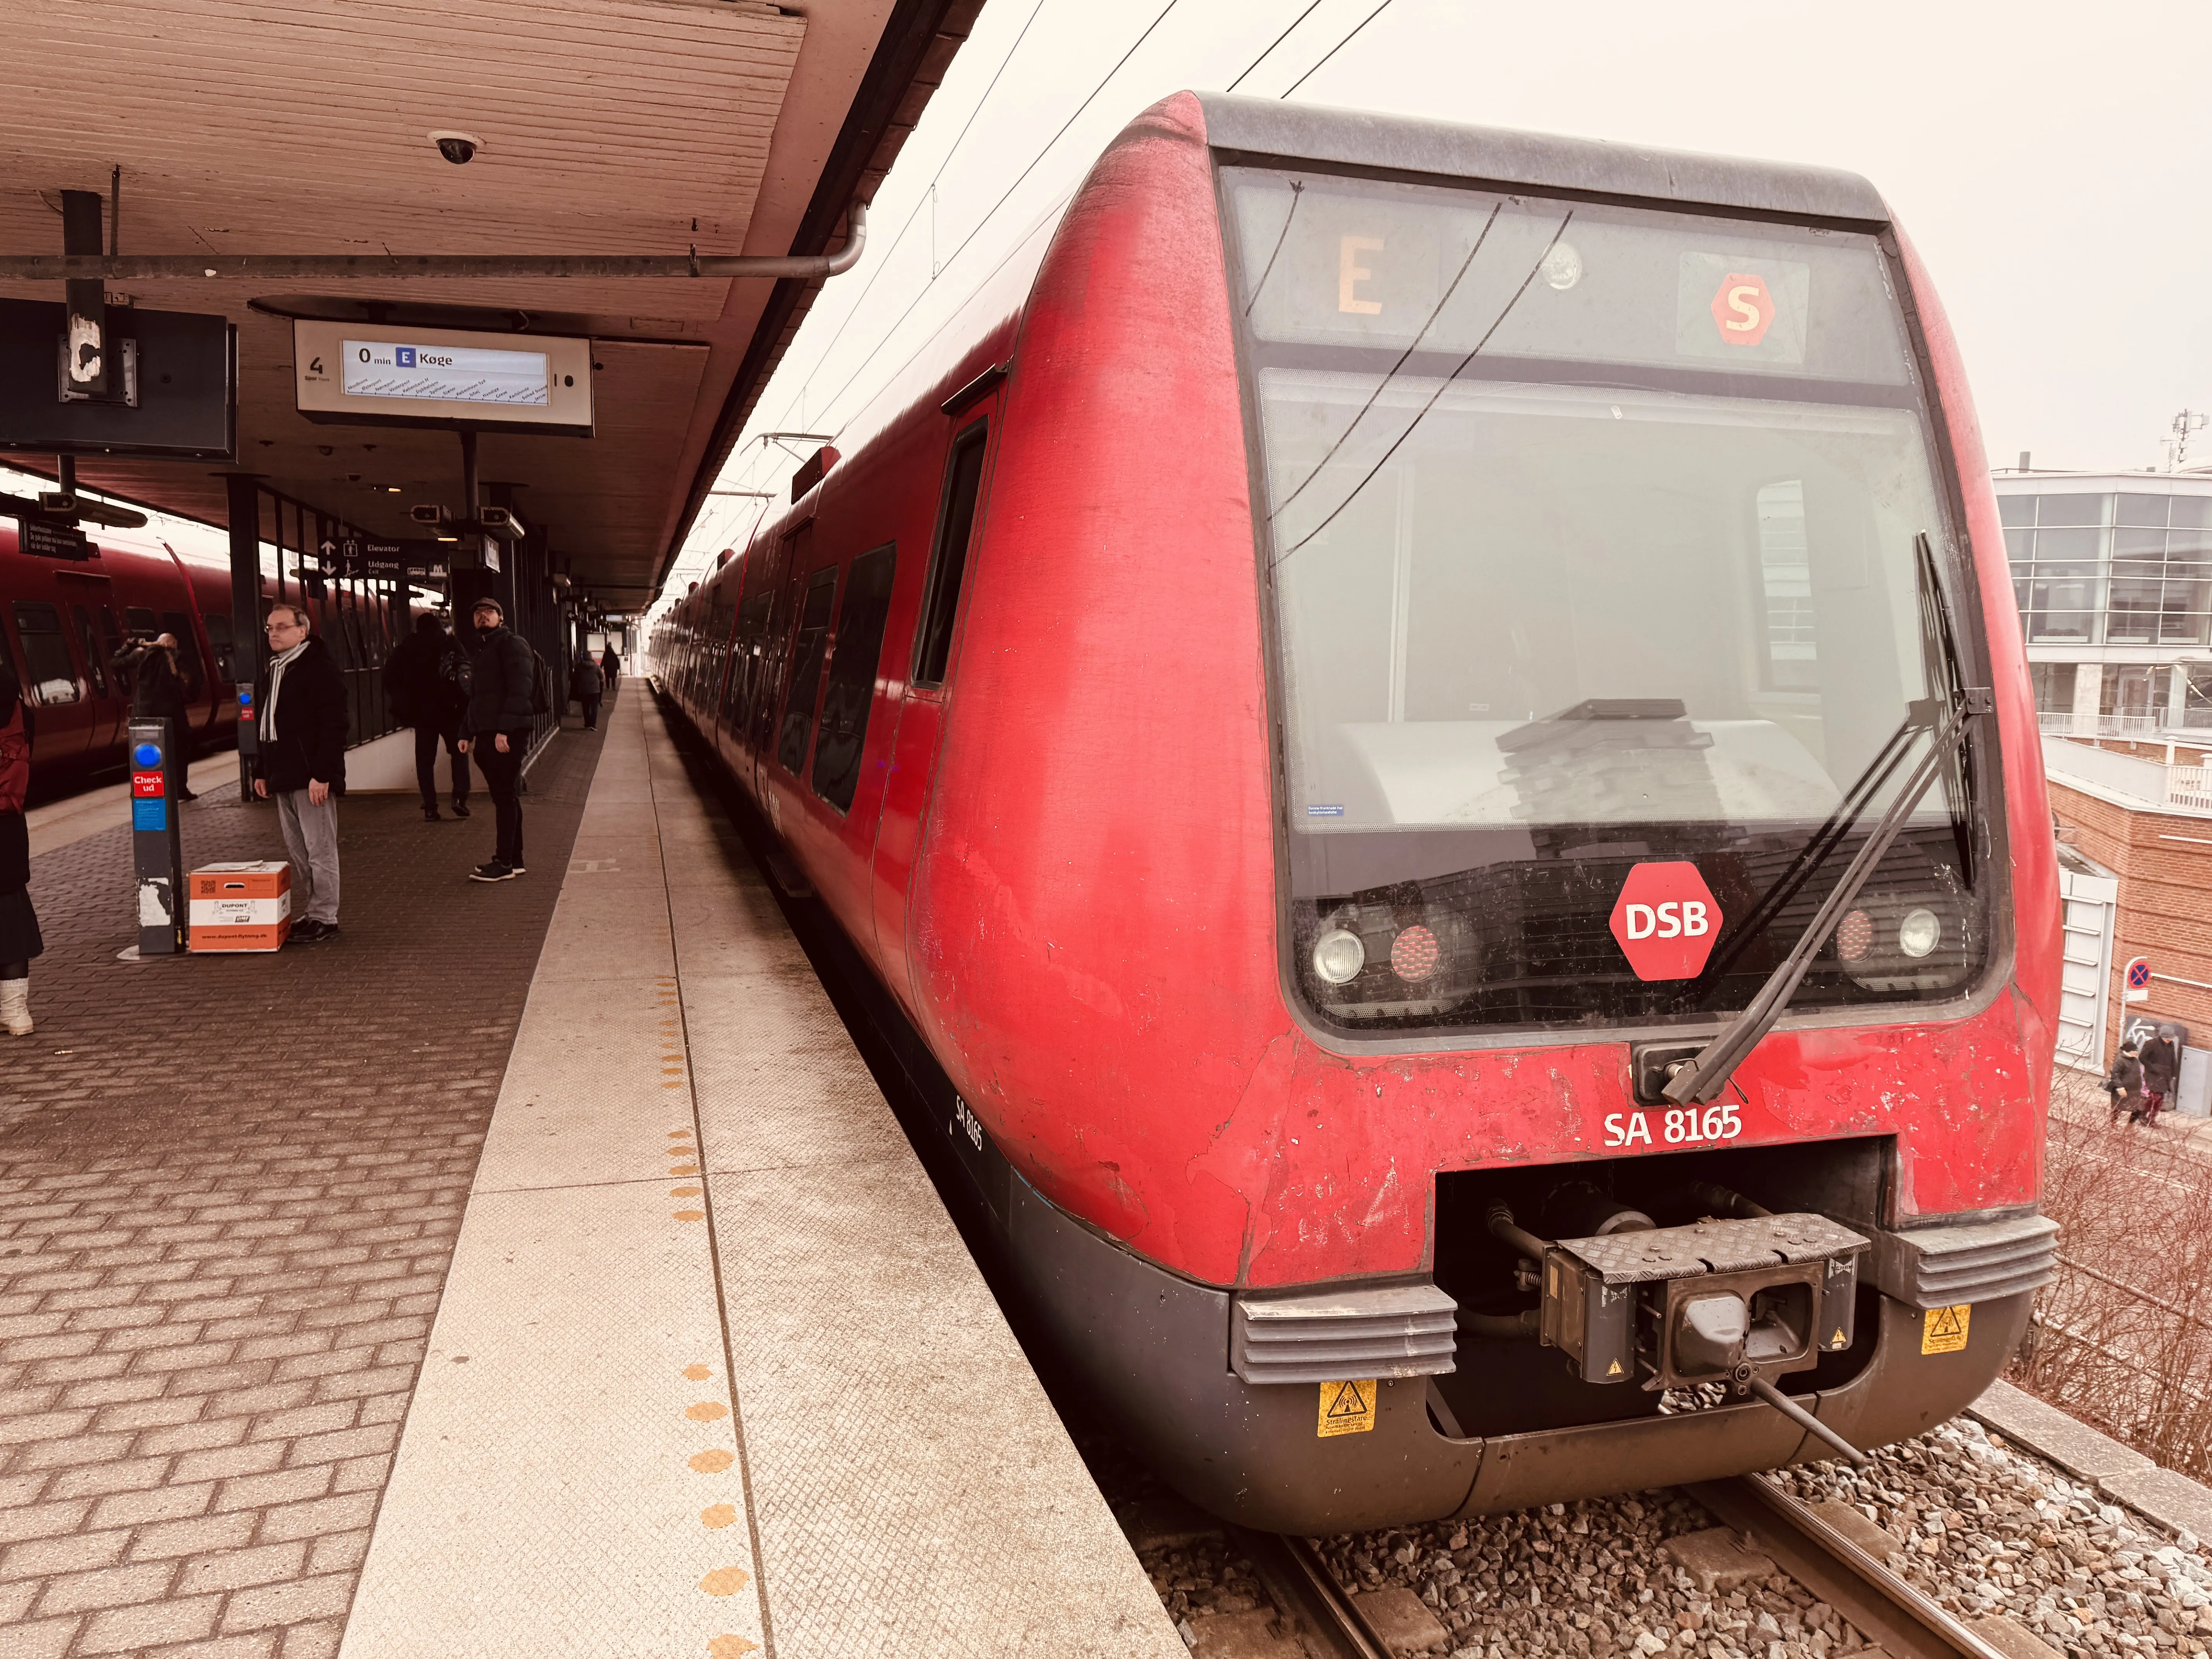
(1591,536)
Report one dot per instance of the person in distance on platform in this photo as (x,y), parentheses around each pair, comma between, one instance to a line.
(610,669)
(496,729)
(300,760)
(424,696)
(148,667)
(2162,1065)
(585,685)
(2127,1083)
(19,922)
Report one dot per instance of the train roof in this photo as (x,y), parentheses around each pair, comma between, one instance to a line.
(1535,160)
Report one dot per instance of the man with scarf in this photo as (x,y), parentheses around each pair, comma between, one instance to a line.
(300,760)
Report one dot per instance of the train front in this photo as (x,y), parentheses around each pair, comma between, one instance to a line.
(1661,920)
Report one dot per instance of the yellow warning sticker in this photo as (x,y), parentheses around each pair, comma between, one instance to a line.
(1943,1330)
(1838,1340)
(1347,1407)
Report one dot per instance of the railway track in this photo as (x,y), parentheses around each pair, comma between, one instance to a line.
(1885,1608)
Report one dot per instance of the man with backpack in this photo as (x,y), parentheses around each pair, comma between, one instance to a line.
(503,698)
(425,682)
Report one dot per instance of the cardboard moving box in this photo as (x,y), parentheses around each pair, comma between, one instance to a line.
(240,906)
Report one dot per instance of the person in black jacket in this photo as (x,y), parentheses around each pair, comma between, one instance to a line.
(585,685)
(423,696)
(2126,1083)
(300,760)
(610,669)
(148,667)
(2162,1068)
(495,729)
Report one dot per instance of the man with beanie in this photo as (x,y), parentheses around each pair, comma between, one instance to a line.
(495,729)
(300,760)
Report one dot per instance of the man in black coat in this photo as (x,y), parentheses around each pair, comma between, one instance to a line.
(496,729)
(423,697)
(300,697)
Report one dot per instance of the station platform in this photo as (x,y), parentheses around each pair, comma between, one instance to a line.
(535,1268)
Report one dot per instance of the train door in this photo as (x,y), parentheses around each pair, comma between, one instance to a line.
(922,710)
(110,703)
(62,718)
(784,575)
(190,668)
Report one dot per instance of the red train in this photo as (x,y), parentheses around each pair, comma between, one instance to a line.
(67,618)
(1427,728)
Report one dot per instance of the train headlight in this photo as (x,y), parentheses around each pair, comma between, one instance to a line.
(1920,932)
(1337,956)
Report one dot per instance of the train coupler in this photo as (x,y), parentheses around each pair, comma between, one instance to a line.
(1724,1301)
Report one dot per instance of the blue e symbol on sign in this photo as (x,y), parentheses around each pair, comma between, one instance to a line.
(404,357)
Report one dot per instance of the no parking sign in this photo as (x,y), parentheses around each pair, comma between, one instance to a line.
(2136,980)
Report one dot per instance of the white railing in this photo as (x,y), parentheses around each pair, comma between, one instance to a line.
(2189,786)
(2141,727)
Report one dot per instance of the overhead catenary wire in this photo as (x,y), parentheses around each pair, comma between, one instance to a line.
(1335,49)
(923,199)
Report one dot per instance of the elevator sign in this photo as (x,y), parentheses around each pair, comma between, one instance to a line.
(1666,921)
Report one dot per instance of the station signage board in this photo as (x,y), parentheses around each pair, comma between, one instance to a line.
(369,556)
(183,376)
(374,374)
(50,539)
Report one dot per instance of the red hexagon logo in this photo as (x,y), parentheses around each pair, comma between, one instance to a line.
(1744,308)
(1666,921)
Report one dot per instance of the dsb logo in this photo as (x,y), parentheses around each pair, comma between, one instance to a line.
(1666,921)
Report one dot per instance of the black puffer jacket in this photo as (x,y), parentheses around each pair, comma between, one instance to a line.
(501,680)
(312,723)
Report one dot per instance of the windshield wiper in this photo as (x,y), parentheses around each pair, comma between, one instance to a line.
(1944,717)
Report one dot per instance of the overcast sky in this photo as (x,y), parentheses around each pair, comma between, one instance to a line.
(2050,162)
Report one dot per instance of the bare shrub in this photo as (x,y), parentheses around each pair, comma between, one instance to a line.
(2123,1339)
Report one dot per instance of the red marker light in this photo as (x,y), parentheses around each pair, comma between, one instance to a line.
(1414,954)
(1855,936)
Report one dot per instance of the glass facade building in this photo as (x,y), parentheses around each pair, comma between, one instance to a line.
(2113,575)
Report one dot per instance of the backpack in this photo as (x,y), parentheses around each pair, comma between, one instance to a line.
(541,684)
(454,674)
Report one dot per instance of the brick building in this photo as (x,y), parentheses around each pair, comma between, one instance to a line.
(2139,873)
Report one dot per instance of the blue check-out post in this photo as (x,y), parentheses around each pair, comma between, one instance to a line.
(156,848)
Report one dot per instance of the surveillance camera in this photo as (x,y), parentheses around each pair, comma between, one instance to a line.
(456,147)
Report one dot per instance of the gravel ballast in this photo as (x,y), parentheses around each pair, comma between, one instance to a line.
(1980,1526)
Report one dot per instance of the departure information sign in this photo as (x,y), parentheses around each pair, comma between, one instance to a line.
(365,373)
(444,374)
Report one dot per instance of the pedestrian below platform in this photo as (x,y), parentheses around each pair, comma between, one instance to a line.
(610,669)
(423,682)
(148,667)
(585,685)
(2161,1067)
(300,762)
(2126,1085)
(502,677)
(19,922)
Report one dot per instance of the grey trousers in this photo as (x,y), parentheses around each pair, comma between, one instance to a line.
(311,836)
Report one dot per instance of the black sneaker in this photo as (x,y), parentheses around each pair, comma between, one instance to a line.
(494,870)
(430,815)
(518,869)
(460,808)
(308,930)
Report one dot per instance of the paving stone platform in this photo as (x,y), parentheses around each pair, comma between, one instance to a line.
(229,1189)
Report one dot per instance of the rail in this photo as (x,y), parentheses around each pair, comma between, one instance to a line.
(1304,1588)
(1889,1612)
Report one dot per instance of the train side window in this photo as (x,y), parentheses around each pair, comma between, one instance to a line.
(139,619)
(111,637)
(806,675)
(219,641)
(844,728)
(95,666)
(948,562)
(51,678)
(188,651)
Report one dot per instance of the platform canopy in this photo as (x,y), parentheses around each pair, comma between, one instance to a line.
(629,127)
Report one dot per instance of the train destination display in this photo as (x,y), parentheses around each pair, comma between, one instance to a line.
(453,375)
(352,374)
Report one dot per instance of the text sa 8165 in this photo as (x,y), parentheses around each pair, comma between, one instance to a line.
(1679,1125)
